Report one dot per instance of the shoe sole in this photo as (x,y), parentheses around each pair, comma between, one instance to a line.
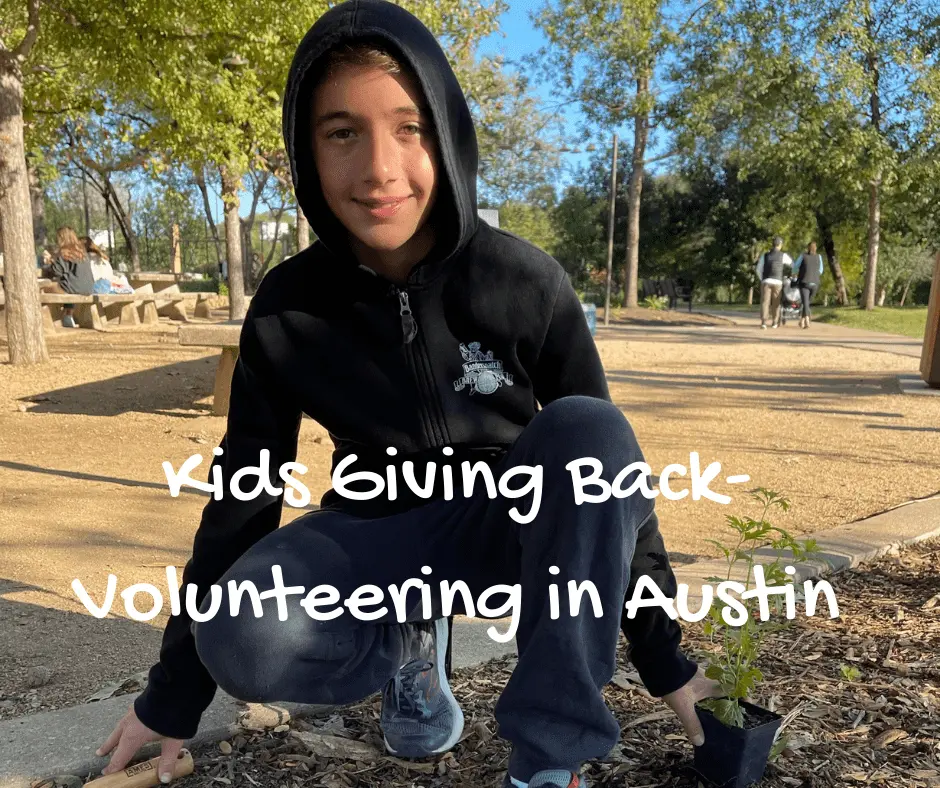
(442,631)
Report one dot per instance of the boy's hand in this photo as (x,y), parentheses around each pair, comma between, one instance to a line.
(683,701)
(128,736)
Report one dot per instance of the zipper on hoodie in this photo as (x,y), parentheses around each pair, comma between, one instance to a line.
(409,327)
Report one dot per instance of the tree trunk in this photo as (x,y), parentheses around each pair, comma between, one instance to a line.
(874,192)
(303,230)
(123,219)
(874,238)
(233,245)
(634,192)
(37,198)
(204,191)
(829,244)
(257,276)
(25,335)
(750,295)
(907,289)
(882,295)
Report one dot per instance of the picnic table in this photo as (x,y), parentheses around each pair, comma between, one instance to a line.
(159,281)
(224,336)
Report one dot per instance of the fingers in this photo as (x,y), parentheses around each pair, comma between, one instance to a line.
(691,724)
(126,749)
(168,754)
(112,740)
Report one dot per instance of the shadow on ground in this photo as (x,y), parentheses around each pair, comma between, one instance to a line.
(737,335)
(165,389)
(82,653)
(783,387)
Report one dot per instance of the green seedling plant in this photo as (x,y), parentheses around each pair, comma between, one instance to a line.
(850,672)
(734,664)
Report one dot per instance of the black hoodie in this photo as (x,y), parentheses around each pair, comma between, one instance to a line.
(499,333)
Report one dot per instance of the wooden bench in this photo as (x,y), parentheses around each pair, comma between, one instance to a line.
(224,336)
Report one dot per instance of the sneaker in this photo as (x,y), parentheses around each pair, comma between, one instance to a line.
(763,327)
(775,325)
(420,716)
(555,778)
(69,322)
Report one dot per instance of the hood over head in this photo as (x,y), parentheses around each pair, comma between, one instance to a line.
(406,37)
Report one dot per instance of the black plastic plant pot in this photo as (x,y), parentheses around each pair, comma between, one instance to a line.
(736,757)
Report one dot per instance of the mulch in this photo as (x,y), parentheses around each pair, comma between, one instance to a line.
(860,695)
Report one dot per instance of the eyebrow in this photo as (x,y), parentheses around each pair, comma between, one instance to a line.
(342,114)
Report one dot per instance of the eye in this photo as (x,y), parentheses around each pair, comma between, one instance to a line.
(415,126)
(332,134)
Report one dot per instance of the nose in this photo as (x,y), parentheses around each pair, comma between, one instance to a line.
(384,158)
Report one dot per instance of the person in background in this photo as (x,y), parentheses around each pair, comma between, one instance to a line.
(808,270)
(70,271)
(770,268)
(106,281)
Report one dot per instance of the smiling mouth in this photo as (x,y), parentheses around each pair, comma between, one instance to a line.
(382,203)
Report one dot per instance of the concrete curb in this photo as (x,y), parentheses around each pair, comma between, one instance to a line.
(63,741)
(840,548)
(914,384)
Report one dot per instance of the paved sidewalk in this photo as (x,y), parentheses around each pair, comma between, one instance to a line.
(63,741)
(818,334)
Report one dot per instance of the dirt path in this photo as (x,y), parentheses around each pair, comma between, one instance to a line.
(83,493)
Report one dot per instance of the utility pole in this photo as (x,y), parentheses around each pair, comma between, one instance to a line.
(610,232)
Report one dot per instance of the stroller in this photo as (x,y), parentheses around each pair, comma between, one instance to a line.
(791,302)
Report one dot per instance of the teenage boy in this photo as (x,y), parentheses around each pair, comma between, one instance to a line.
(416,333)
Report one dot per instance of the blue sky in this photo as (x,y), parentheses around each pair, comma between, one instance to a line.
(518,37)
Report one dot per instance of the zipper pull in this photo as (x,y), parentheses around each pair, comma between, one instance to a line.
(409,326)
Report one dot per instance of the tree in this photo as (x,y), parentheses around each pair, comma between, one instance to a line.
(579,220)
(518,141)
(901,267)
(619,44)
(24,318)
(530,222)
(836,98)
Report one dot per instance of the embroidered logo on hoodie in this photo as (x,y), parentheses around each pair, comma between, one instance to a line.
(481,371)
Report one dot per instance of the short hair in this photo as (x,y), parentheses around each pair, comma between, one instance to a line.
(812,247)
(778,241)
(364,54)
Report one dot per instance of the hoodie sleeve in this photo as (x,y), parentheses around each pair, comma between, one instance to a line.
(654,637)
(180,688)
(570,364)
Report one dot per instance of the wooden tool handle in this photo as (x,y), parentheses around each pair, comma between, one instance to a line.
(144,774)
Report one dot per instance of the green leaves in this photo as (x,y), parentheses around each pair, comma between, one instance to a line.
(734,665)
(850,672)
(728,712)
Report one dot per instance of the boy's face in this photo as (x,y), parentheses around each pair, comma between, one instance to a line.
(373,142)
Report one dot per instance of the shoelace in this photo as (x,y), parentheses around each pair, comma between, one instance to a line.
(408,698)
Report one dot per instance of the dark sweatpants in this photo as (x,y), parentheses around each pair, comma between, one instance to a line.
(552,710)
